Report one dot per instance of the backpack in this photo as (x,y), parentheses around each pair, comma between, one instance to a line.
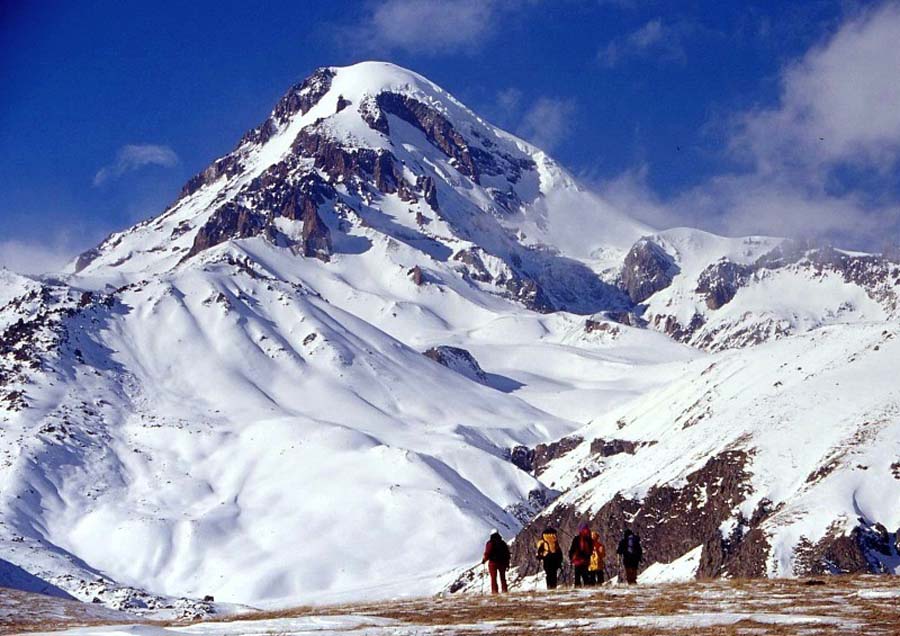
(547,544)
(500,552)
(633,547)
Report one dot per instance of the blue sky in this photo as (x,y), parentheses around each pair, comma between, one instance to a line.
(738,117)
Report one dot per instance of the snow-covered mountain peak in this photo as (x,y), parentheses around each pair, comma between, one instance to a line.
(358,155)
(355,315)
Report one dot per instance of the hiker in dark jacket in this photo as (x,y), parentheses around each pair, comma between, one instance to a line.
(631,552)
(580,555)
(496,555)
(551,556)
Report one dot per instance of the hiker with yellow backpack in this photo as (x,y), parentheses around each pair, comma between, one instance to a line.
(598,556)
(550,554)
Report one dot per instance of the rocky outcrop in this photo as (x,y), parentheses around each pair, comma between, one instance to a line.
(231,221)
(514,284)
(610,447)
(671,521)
(521,456)
(86,258)
(272,195)
(546,453)
(458,360)
(227,166)
(300,98)
(866,549)
(719,282)
(600,326)
(437,129)
(357,166)
(316,238)
(417,276)
(428,189)
(647,270)
(472,160)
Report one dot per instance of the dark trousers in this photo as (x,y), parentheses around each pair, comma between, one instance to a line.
(552,580)
(494,570)
(631,575)
(596,577)
(582,576)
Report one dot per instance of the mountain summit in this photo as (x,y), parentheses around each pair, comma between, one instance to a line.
(374,146)
(380,327)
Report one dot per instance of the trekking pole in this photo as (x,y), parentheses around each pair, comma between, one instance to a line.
(483,576)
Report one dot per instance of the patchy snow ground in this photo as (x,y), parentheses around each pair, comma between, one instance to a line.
(836,605)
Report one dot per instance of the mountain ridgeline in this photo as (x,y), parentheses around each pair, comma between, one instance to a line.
(379,314)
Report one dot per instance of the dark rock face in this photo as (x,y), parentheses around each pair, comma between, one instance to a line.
(600,326)
(647,270)
(678,331)
(521,456)
(608,448)
(518,286)
(670,521)
(628,318)
(720,281)
(86,258)
(438,130)
(459,360)
(417,276)
(470,159)
(865,549)
(230,221)
(269,196)
(545,453)
(303,96)
(357,167)
(316,238)
(227,166)
(429,191)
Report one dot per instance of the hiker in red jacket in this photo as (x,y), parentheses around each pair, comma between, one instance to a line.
(496,555)
(580,555)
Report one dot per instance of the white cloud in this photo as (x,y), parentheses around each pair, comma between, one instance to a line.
(427,26)
(547,122)
(133,156)
(839,104)
(35,258)
(655,39)
(509,101)
(837,109)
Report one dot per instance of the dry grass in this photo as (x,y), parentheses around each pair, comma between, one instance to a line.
(833,605)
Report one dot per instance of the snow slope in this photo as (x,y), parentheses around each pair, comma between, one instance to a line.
(230,399)
(810,427)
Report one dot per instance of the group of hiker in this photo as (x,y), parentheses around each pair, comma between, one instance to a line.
(587,556)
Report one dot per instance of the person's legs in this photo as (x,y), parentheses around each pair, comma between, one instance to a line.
(581,576)
(492,568)
(591,578)
(551,578)
(630,575)
(600,577)
(503,587)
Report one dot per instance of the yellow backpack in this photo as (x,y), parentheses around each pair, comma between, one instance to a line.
(546,544)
